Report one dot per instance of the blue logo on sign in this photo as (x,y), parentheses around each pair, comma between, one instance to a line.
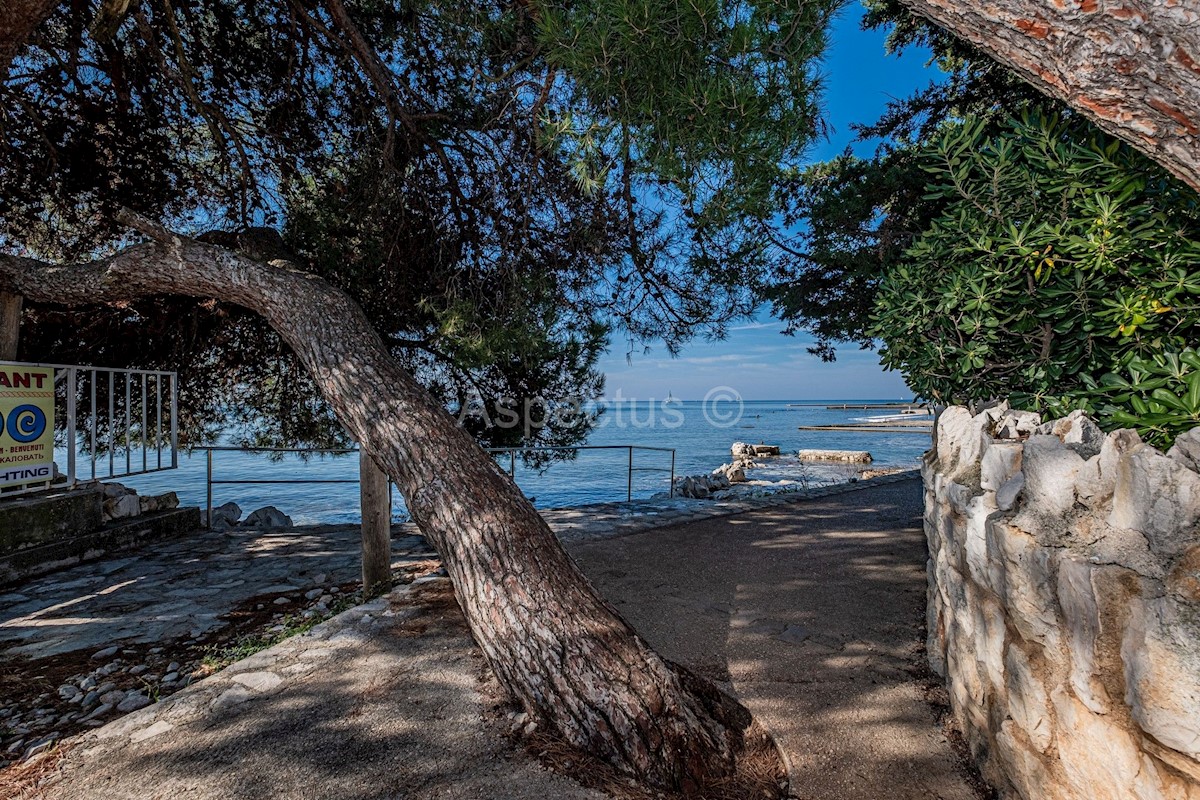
(25,424)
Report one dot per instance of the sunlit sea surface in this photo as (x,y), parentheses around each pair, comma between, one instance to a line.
(700,433)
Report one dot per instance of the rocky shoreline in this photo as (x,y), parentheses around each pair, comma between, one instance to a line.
(757,470)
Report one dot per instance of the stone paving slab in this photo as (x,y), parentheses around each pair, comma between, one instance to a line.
(180,589)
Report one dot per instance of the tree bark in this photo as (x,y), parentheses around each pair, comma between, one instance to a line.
(10,325)
(18,20)
(1133,67)
(574,665)
(375,503)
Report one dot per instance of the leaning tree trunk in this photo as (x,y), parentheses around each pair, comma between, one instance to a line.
(555,645)
(1132,67)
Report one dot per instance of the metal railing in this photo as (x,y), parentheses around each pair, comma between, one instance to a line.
(512,462)
(512,452)
(210,481)
(122,422)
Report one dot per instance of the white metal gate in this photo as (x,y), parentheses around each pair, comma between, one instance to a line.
(111,423)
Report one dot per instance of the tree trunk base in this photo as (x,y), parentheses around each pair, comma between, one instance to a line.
(759,768)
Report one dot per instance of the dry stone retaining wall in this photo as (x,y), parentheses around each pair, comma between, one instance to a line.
(1064,603)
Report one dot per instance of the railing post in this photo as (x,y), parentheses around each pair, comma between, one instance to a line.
(95,420)
(128,424)
(112,453)
(174,420)
(629,478)
(208,492)
(672,495)
(376,504)
(71,443)
(145,418)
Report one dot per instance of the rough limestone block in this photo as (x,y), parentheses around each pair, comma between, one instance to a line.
(122,507)
(1159,497)
(961,440)
(1186,450)
(1001,461)
(1161,654)
(1093,488)
(1100,759)
(1081,618)
(1077,431)
(1007,495)
(990,639)
(1051,469)
(982,565)
(935,633)
(958,497)
(1014,424)
(1184,578)
(847,456)
(1028,702)
(1028,775)
(1030,587)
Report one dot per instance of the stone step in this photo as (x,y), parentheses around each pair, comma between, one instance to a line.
(100,541)
(38,519)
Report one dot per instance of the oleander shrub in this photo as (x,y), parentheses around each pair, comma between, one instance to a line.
(1061,269)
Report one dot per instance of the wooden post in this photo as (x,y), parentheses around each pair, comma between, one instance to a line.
(376,503)
(10,325)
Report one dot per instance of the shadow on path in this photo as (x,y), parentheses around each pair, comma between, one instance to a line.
(812,614)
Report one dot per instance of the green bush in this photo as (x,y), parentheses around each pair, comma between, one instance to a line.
(1062,270)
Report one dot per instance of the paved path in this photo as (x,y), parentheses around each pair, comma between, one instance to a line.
(809,612)
(812,614)
(180,589)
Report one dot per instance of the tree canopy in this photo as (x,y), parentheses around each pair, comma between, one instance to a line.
(502,188)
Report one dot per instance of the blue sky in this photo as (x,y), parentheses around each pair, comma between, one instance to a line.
(756,360)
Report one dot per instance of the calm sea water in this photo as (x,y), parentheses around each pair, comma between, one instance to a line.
(701,434)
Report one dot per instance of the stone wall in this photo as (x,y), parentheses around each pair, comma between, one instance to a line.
(1064,603)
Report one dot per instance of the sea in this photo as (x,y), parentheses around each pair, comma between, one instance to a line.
(320,489)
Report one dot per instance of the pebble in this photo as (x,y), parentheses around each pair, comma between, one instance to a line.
(87,683)
(313,594)
(42,745)
(155,650)
(173,666)
(319,577)
(133,702)
(107,686)
(100,655)
(324,599)
(138,670)
(113,697)
(90,699)
(68,692)
(99,711)
(280,601)
(170,677)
